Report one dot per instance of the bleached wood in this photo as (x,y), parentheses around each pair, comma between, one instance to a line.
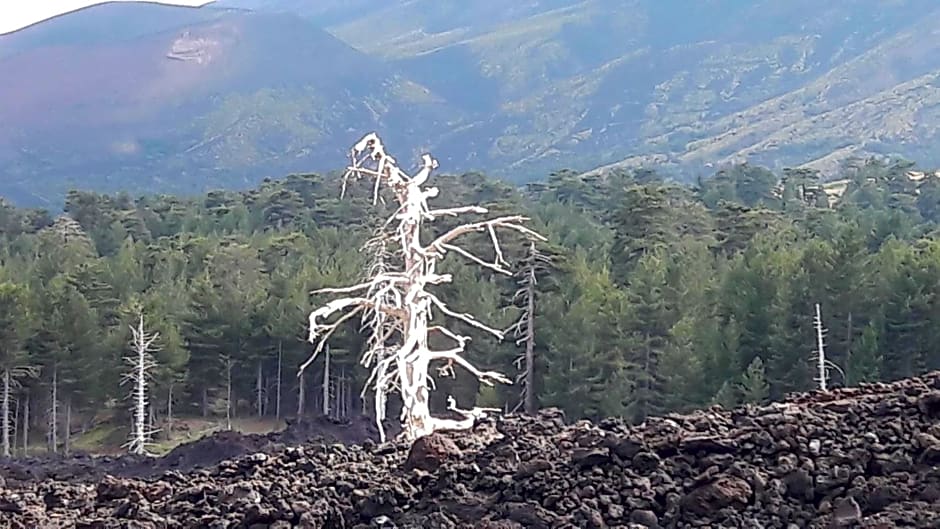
(54,411)
(524,328)
(10,379)
(393,300)
(141,365)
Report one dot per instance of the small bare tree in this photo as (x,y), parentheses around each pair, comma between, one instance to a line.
(823,365)
(396,304)
(11,382)
(534,265)
(54,411)
(141,365)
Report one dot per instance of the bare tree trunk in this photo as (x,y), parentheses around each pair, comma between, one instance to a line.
(820,351)
(54,419)
(300,397)
(169,412)
(341,395)
(326,382)
(68,425)
(16,426)
(228,393)
(347,401)
(259,390)
(410,323)
(5,410)
(26,425)
(141,364)
(347,397)
(530,405)
(848,348)
(277,399)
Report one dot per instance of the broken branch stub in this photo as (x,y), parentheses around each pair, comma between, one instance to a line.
(395,306)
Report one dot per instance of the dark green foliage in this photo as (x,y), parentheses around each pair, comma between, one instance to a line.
(660,298)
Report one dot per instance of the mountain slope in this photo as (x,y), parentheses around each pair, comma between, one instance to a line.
(144,97)
(691,85)
(148,97)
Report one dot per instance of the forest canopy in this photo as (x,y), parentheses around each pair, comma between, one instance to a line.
(660,297)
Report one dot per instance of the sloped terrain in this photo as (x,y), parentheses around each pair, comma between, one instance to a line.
(156,98)
(568,83)
(152,98)
(859,457)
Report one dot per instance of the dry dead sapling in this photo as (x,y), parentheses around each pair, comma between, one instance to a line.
(141,365)
(398,307)
(533,265)
(11,382)
(823,365)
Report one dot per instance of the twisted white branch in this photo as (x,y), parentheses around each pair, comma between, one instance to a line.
(396,306)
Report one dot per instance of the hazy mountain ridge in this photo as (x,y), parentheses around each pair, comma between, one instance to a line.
(690,87)
(209,98)
(156,98)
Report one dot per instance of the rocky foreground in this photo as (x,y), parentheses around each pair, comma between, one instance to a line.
(860,457)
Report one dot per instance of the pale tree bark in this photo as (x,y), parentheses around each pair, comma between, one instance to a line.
(10,382)
(7,390)
(301,396)
(259,390)
(169,411)
(821,377)
(326,382)
(68,425)
(15,425)
(523,329)
(823,365)
(26,425)
(54,412)
(277,398)
(228,392)
(141,365)
(396,304)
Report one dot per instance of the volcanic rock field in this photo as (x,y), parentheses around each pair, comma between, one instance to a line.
(858,457)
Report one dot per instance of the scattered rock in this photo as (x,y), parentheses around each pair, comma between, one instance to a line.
(861,457)
(428,453)
(846,512)
(723,492)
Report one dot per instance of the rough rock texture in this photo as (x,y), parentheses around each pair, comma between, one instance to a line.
(205,452)
(860,457)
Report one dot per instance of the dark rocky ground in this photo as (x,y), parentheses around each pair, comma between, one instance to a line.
(859,457)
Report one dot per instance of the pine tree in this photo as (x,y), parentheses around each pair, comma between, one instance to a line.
(754,387)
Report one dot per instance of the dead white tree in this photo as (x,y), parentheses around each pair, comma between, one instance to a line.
(26,425)
(326,383)
(11,382)
(141,365)
(228,391)
(534,264)
(277,398)
(54,411)
(397,305)
(823,365)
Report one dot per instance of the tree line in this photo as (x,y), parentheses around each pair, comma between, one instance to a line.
(650,296)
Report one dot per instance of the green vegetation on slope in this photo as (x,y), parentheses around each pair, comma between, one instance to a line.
(663,297)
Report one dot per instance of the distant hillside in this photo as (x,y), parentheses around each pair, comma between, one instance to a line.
(687,84)
(146,97)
